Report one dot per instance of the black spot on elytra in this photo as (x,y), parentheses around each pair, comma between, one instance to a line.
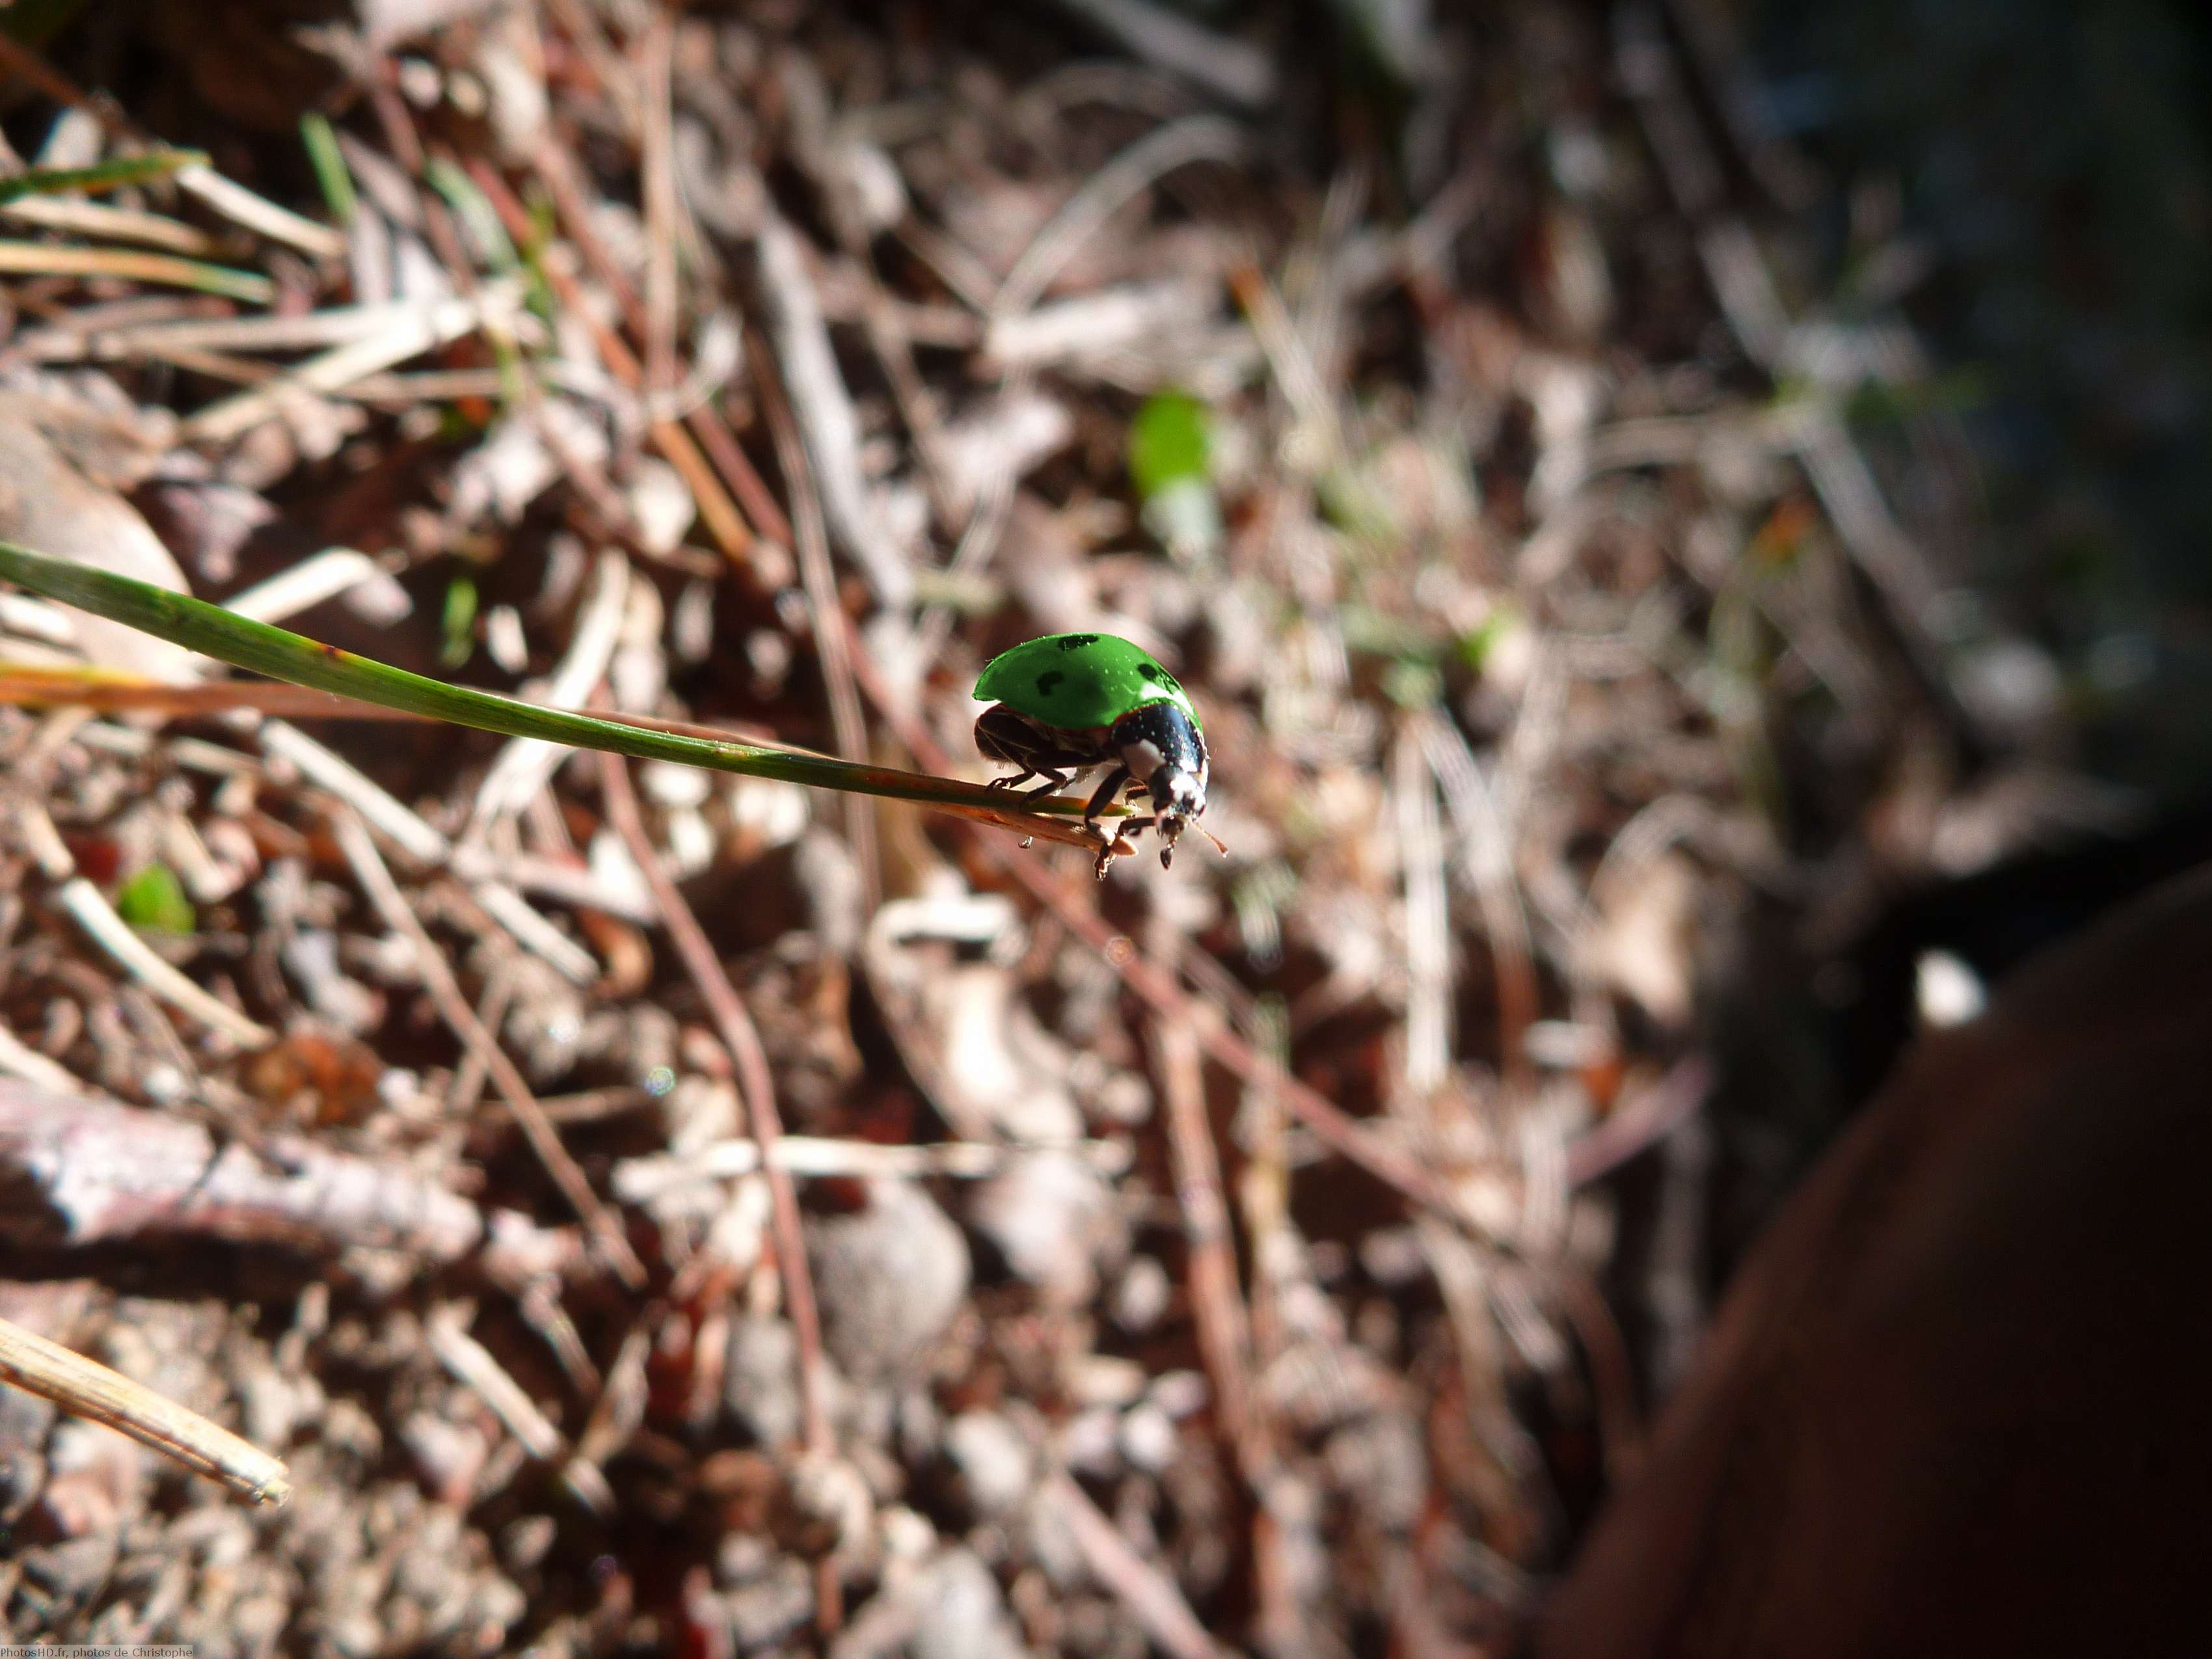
(1151,670)
(1077,641)
(1047,682)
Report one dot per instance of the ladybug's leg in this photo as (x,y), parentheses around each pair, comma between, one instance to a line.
(1003,735)
(1102,796)
(1054,781)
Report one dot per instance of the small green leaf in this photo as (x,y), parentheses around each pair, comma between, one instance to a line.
(155,899)
(1171,440)
(459,622)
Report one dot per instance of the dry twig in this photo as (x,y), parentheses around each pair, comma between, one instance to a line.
(1149,1594)
(1217,1303)
(86,1388)
(822,408)
(832,639)
(742,1040)
(103,1170)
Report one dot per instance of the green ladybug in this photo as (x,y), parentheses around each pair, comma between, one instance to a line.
(1066,702)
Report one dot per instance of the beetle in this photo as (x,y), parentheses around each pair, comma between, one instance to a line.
(1066,702)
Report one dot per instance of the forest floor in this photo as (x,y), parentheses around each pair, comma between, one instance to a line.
(1278,1253)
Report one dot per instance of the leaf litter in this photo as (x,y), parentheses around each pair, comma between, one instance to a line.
(702,1215)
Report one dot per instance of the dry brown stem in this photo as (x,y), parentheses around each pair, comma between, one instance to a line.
(98,1170)
(85,1388)
(743,1041)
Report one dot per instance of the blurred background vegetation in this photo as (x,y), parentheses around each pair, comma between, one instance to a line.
(2048,164)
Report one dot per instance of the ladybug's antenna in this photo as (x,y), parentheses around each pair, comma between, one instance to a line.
(1219,846)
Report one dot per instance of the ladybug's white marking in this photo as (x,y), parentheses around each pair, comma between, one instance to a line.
(1143,758)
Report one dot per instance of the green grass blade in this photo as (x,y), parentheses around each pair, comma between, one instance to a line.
(335,182)
(137,266)
(108,175)
(478,221)
(215,632)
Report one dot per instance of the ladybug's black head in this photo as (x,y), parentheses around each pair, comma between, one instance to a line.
(1163,749)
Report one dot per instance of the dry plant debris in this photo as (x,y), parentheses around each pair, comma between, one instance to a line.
(659,1211)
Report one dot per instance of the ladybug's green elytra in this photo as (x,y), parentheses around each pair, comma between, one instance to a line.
(1068,702)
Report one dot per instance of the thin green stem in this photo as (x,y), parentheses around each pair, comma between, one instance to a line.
(210,629)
